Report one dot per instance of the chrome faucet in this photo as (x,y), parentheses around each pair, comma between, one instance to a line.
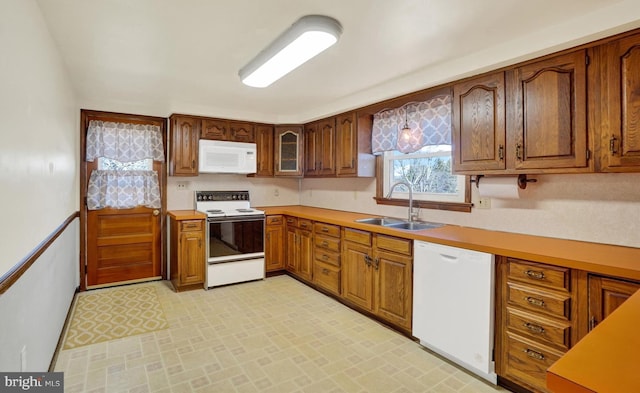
(406,183)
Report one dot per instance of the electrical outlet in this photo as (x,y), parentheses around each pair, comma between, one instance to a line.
(182,185)
(276,192)
(484,203)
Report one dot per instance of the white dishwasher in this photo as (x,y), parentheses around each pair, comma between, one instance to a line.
(453,305)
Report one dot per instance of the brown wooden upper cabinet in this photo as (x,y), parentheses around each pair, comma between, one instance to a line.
(319,152)
(288,151)
(620,129)
(547,117)
(242,132)
(479,124)
(529,119)
(215,129)
(183,149)
(264,142)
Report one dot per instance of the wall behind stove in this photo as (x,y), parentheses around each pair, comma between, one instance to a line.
(262,191)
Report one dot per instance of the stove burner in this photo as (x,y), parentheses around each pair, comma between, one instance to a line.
(214,211)
(244,210)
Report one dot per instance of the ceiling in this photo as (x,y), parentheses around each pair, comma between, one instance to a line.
(158,57)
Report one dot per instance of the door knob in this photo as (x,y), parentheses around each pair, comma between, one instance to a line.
(156,212)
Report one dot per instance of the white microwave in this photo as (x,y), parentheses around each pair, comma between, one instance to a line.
(226,157)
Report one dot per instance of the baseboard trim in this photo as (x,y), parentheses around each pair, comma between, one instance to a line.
(67,321)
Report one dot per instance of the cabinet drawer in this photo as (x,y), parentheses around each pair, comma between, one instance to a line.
(191,225)
(540,301)
(326,229)
(275,220)
(528,361)
(538,274)
(293,221)
(327,256)
(357,236)
(395,244)
(327,277)
(305,224)
(538,328)
(329,243)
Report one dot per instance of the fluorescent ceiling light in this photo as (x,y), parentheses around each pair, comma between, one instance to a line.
(306,38)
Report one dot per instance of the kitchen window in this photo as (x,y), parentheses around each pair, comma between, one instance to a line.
(413,144)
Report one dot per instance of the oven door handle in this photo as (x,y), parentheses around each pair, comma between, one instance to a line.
(235,219)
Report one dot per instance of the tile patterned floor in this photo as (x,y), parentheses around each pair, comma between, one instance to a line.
(275,335)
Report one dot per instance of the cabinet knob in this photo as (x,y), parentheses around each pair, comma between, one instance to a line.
(156,212)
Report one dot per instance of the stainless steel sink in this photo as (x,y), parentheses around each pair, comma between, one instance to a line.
(397,223)
(383,221)
(415,225)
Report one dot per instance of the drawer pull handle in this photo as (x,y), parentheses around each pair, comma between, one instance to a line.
(534,328)
(325,229)
(325,256)
(325,271)
(534,274)
(325,244)
(534,301)
(534,354)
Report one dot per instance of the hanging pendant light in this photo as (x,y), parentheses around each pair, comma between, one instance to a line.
(405,133)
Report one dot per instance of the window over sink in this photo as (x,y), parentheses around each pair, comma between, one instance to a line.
(413,144)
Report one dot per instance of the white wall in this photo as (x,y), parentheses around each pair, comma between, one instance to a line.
(601,208)
(262,191)
(39,129)
(39,186)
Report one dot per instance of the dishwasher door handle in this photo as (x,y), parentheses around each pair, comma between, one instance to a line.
(449,258)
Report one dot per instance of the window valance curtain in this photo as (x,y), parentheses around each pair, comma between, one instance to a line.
(124,142)
(429,121)
(123,189)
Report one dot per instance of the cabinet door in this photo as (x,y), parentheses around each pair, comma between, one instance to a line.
(305,254)
(274,247)
(311,158)
(621,105)
(288,151)
(326,147)
(357,275)
(394,288)
(191,258)
(241,132)
(183,155)
(215,129)
(292,250)
(264,142)
(549,120)
(346,145)
(479,124)
(605,295)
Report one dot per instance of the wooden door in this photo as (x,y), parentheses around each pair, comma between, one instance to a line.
(120,245)
(183,156)
(394,288)
(274,247)
(605,295)
(215,129)
(621,105)
(242,132)
(305,254)
(346,145)
(549,119)
(191,251)
(357,275)
(479,124)
(292,249)
(311,142)
(326,147)
(264,142)
(288,151)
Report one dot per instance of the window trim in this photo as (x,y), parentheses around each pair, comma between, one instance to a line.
(464,207)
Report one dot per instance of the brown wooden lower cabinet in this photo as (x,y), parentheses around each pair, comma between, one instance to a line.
(274,243)
(605,295)
(187,259)
(377,275)
(299,246)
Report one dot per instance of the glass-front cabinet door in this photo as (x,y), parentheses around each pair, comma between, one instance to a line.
(288,151)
